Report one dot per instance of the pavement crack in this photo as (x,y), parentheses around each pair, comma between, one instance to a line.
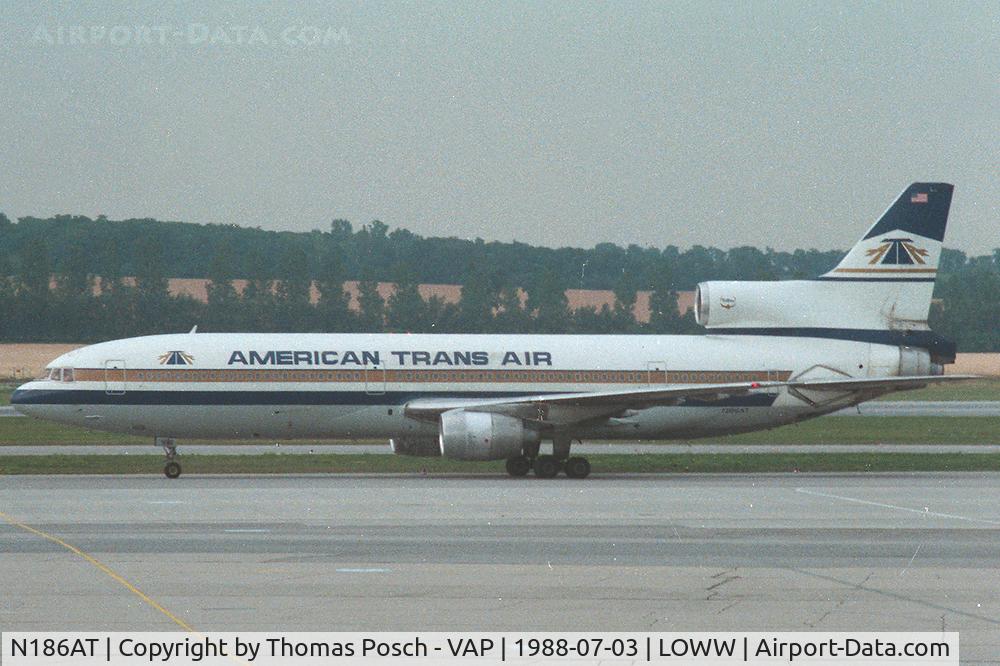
(723,610)
(721,583)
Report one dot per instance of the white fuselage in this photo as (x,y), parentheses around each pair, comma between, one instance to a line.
(294,386)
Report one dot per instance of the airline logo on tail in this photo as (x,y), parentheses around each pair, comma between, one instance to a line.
(904,245)
(896,251)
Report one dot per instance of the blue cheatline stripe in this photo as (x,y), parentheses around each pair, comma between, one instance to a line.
(927,339)
(861,279)
(346,398)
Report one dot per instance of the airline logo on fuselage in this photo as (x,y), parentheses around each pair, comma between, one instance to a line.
(176,358)
(401,358)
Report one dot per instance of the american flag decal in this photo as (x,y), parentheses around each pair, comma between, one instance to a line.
(919,197)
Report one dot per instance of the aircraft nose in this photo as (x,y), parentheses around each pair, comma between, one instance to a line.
(20,397)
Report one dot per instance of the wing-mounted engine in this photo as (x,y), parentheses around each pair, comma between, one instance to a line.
(468,435)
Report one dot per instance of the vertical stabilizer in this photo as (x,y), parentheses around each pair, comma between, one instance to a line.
(905,244)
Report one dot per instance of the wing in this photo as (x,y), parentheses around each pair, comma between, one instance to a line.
(561,408)
(565,408)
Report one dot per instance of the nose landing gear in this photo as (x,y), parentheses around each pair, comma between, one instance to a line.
(172,468)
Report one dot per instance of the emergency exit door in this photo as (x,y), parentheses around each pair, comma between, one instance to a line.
(114,377)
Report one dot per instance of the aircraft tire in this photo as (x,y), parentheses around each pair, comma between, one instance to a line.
(172,470)
(547,467)
(518,466)
(578,468)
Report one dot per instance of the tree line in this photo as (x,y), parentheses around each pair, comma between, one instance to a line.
(77,251)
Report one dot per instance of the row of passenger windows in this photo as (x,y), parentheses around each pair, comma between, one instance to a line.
(393,375)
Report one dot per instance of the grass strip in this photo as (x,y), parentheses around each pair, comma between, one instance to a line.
(615,463)
(972,390)
(824,430)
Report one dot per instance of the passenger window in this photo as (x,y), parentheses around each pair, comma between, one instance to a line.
(67,374)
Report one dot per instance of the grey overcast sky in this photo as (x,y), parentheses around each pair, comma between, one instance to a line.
(781,124)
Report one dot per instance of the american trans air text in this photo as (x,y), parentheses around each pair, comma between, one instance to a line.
(402,358)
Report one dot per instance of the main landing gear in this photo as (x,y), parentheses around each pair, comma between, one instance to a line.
(172,468)
(548,467)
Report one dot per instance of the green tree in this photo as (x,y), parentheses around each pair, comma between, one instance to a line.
(480,300)
(332,310)
(626,293)
(152,311)
(292,294)
(512,314)
(664,316)
(223,311)
(547,301)
(406,310)
(371,318)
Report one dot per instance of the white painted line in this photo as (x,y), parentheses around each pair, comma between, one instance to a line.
(363,570)
(910,563)
(922,512)
(247,531)
(165,502)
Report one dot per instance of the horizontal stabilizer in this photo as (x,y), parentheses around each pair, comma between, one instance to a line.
(897,383)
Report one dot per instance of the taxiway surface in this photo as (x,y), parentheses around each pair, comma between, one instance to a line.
(895,552)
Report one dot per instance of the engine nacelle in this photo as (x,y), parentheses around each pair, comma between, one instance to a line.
(421,447)
(483,436)
(917,362)
(811,304)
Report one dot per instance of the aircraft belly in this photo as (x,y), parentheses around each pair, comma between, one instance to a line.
(685,422)
(241,421)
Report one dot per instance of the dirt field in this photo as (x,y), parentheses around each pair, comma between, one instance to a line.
(24,361)
(987,365)
(27,361)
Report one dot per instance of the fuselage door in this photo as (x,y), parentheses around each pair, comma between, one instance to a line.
(656,372)
(114,377)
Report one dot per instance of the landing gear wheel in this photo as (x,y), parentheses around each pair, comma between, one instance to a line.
(546,467)
(172,470)
(577,468)
(518,466)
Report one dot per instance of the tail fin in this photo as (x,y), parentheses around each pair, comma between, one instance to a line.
(880,292)
(905,244)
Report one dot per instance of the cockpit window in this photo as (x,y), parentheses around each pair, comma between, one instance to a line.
(58,374)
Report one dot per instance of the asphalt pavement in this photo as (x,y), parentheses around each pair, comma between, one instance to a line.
(792,552)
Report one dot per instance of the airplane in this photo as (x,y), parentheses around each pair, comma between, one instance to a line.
(774,353)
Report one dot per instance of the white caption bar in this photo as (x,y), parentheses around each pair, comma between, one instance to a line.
(306,649)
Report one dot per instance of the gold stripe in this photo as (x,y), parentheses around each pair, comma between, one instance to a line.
(426,376)
(885,270)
